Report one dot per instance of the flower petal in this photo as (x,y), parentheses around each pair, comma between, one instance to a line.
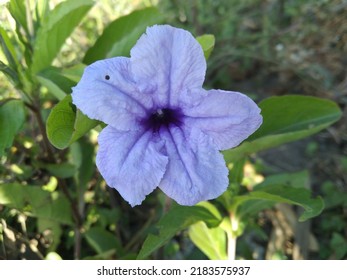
(228,117)
(196,170)
(167,60)
(130,162)
(107,93)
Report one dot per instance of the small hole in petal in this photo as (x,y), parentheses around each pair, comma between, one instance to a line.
(107,77)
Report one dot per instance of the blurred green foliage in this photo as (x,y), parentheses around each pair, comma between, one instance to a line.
(53,202)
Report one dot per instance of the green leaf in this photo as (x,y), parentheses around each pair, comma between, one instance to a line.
(61,170)
(87,168)
(38,202)
(292,113)
(121,35)
(13,195)
(285,119)
(82,125)
(55,29)
(254,207)
(83,155)
(179,218)
(211,241)
(8,49)
(10,73)
(101,240)
(65,125)
(299,179)
(207,42)
(211,208)
(284,188)
(236,173)
(11,58)
(56,83)
(74,73)
(338,244)
(41,11)
(12,116)
(17,10)
(297,196)
(55,209)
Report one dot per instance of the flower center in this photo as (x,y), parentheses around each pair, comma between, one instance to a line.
(163,117)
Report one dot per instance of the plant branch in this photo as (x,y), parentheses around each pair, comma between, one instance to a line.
(35,108)
(140,232)
(76,216)
(47,146)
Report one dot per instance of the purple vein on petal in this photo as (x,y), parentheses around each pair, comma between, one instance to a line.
(179,155)
(133,146)
(127,95)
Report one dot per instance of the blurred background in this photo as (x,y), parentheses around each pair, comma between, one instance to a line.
(263,48)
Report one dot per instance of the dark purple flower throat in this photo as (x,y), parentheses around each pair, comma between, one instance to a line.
(163,118)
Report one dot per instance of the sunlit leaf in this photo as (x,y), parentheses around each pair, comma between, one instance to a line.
(179,218)
(41,11)
(53,256)
(207,43)
(55,29)
(121,35)
(285,119)
(12,117)
(211,241)
(13,195)
(8,49)
(18,12)
(65,125)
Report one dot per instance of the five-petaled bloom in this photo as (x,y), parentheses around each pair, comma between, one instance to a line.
(163,129)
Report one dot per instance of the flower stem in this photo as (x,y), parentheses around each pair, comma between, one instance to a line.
(232,237)
(231,247)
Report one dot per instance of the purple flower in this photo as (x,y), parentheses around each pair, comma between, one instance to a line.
(163,129)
